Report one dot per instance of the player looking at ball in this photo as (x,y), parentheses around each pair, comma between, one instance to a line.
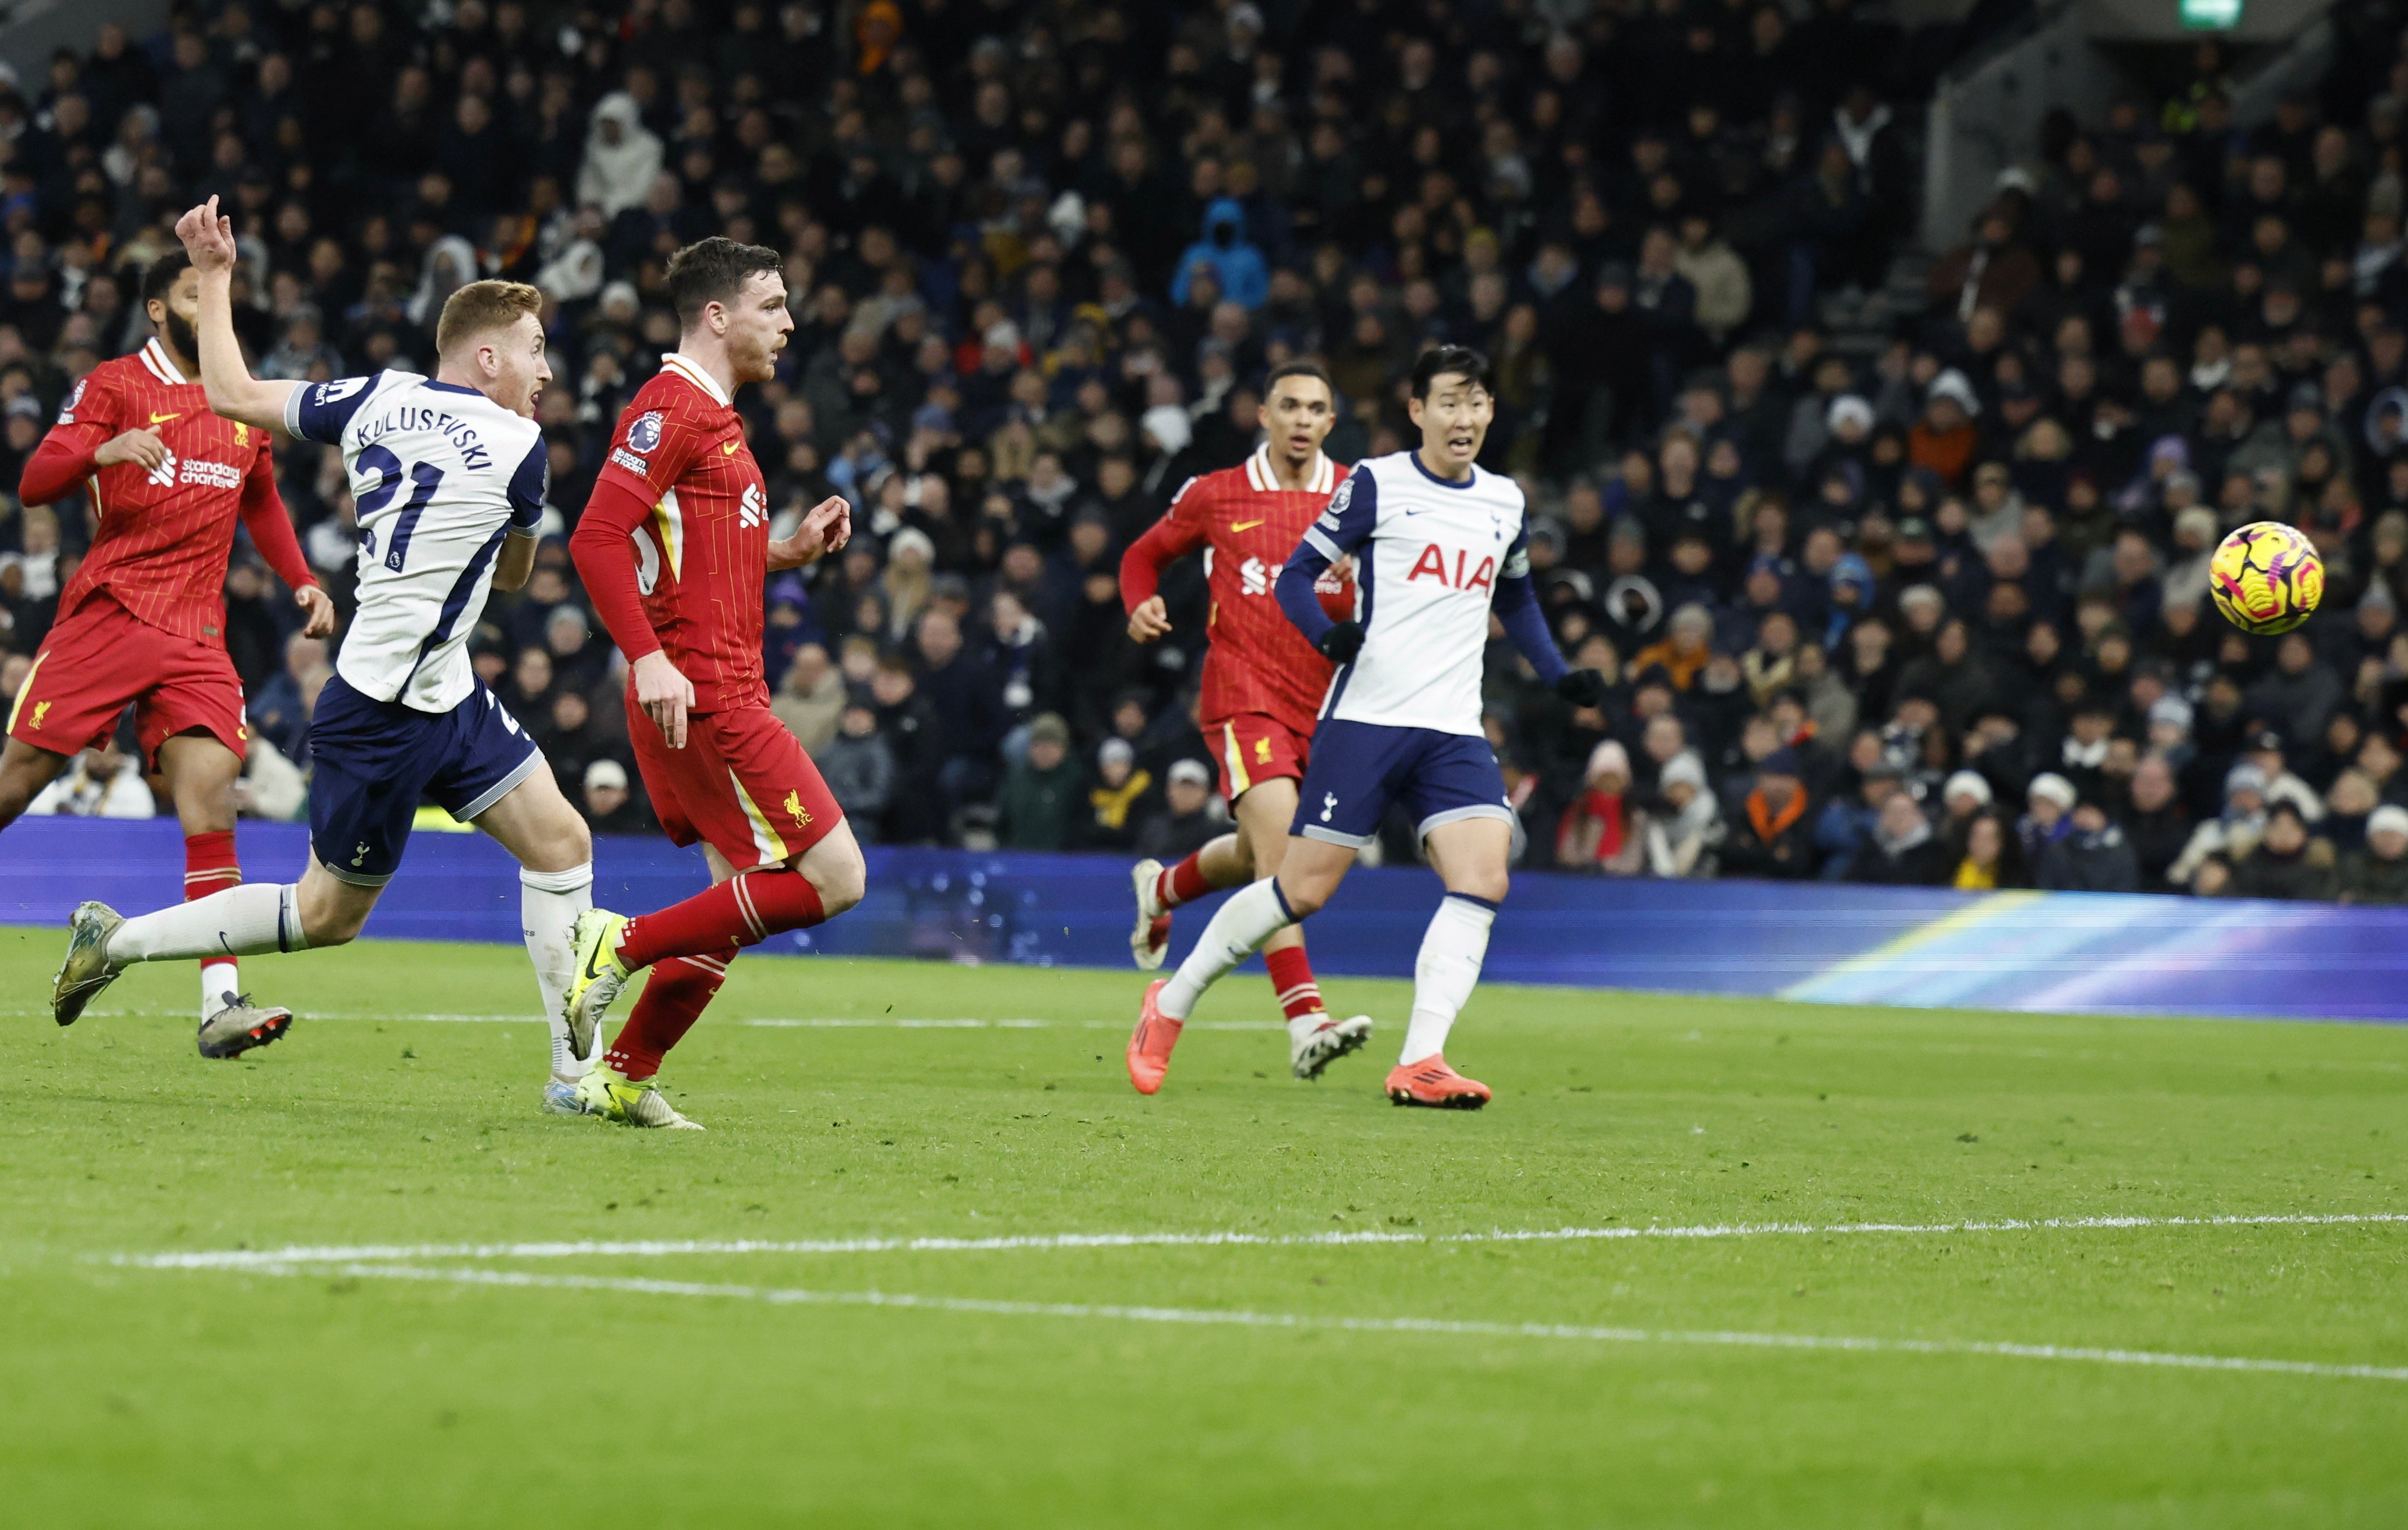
(675,550)
(448,473)
(1438,543)
(144,618)
(1263,685)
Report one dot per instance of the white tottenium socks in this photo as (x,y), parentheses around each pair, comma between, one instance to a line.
(249,920)
(1445,973)
(1253,914)
(1448,969)
(548,903)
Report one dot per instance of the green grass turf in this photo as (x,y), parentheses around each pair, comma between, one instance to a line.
(139,1397)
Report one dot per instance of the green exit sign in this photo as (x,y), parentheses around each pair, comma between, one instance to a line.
(2211,15)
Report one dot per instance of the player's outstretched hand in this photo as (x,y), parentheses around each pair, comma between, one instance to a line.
(826,528)
(665,694)
(209,238)
(142,448)
(317,609)
(1583,688)
(1342,643)
(1150,620)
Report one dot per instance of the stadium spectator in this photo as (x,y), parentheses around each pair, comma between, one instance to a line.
(1120,800)
(811,698)
(1038,808)
(2091,856)
(1899,850)
(1770,837)
(104,783)
(1185,823)
(1604,830)
(2286,862)
(2378,873)
(1685,840)
(1988,856)
(857,763)
(608,804)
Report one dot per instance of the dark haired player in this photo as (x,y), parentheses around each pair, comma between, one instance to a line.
(1439,543)
(1263,685)
(143,619)
(674,548)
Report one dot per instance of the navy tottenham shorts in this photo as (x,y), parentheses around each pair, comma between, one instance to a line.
(1358,768)
(374,759)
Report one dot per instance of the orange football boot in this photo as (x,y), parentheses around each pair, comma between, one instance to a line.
(1150,1044)
(1430,1082)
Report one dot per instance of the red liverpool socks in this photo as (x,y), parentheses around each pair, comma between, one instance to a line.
(210,866)
(674,998)
(1292,979)
(745,910)
(1181,883)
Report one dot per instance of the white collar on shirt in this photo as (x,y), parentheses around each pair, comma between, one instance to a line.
(694,372)
(163,366)
(1262,476)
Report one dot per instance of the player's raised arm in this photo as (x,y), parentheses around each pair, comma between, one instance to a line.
(234,392)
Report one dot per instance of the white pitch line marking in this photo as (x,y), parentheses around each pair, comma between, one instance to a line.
(240,1258)
(1449,1327)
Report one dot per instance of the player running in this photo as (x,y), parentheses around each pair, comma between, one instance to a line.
(1438,543)
(1263,685)
(674,548)
(143,619)
(448,477)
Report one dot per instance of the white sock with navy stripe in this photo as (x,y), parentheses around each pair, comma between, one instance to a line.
(248,921)
(1448,969)
(1252,915)
(548,903)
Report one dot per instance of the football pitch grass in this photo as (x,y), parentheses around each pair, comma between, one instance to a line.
(935,1264)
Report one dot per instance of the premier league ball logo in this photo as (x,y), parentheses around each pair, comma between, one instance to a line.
(645,433)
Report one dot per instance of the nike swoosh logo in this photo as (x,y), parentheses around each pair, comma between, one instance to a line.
(730,446)
(1245,525)
(161,419)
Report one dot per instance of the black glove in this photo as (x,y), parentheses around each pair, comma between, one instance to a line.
(1342,642)
(1583,688)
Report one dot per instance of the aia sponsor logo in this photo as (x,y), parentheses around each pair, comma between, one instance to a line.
(1461,575)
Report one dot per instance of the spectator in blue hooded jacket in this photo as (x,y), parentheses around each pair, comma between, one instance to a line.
(1239,267)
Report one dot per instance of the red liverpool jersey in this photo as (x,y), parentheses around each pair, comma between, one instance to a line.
(1247,526)
(702,555)
(167,532)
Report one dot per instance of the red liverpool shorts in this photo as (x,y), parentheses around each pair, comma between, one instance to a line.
(103,656)
(1255,746)
(741,785)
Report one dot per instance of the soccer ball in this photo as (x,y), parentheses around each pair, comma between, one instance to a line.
(2266,578)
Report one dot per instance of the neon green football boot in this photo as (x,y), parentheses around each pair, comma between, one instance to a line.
(599,975)
(613,1096)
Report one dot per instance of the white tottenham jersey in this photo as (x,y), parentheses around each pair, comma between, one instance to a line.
(439,474)
(1427,554)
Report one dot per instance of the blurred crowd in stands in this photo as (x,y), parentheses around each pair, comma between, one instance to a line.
(1920,605)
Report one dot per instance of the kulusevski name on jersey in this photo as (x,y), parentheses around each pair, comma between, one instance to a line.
(443,422)
(439,474)
(1428,555)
